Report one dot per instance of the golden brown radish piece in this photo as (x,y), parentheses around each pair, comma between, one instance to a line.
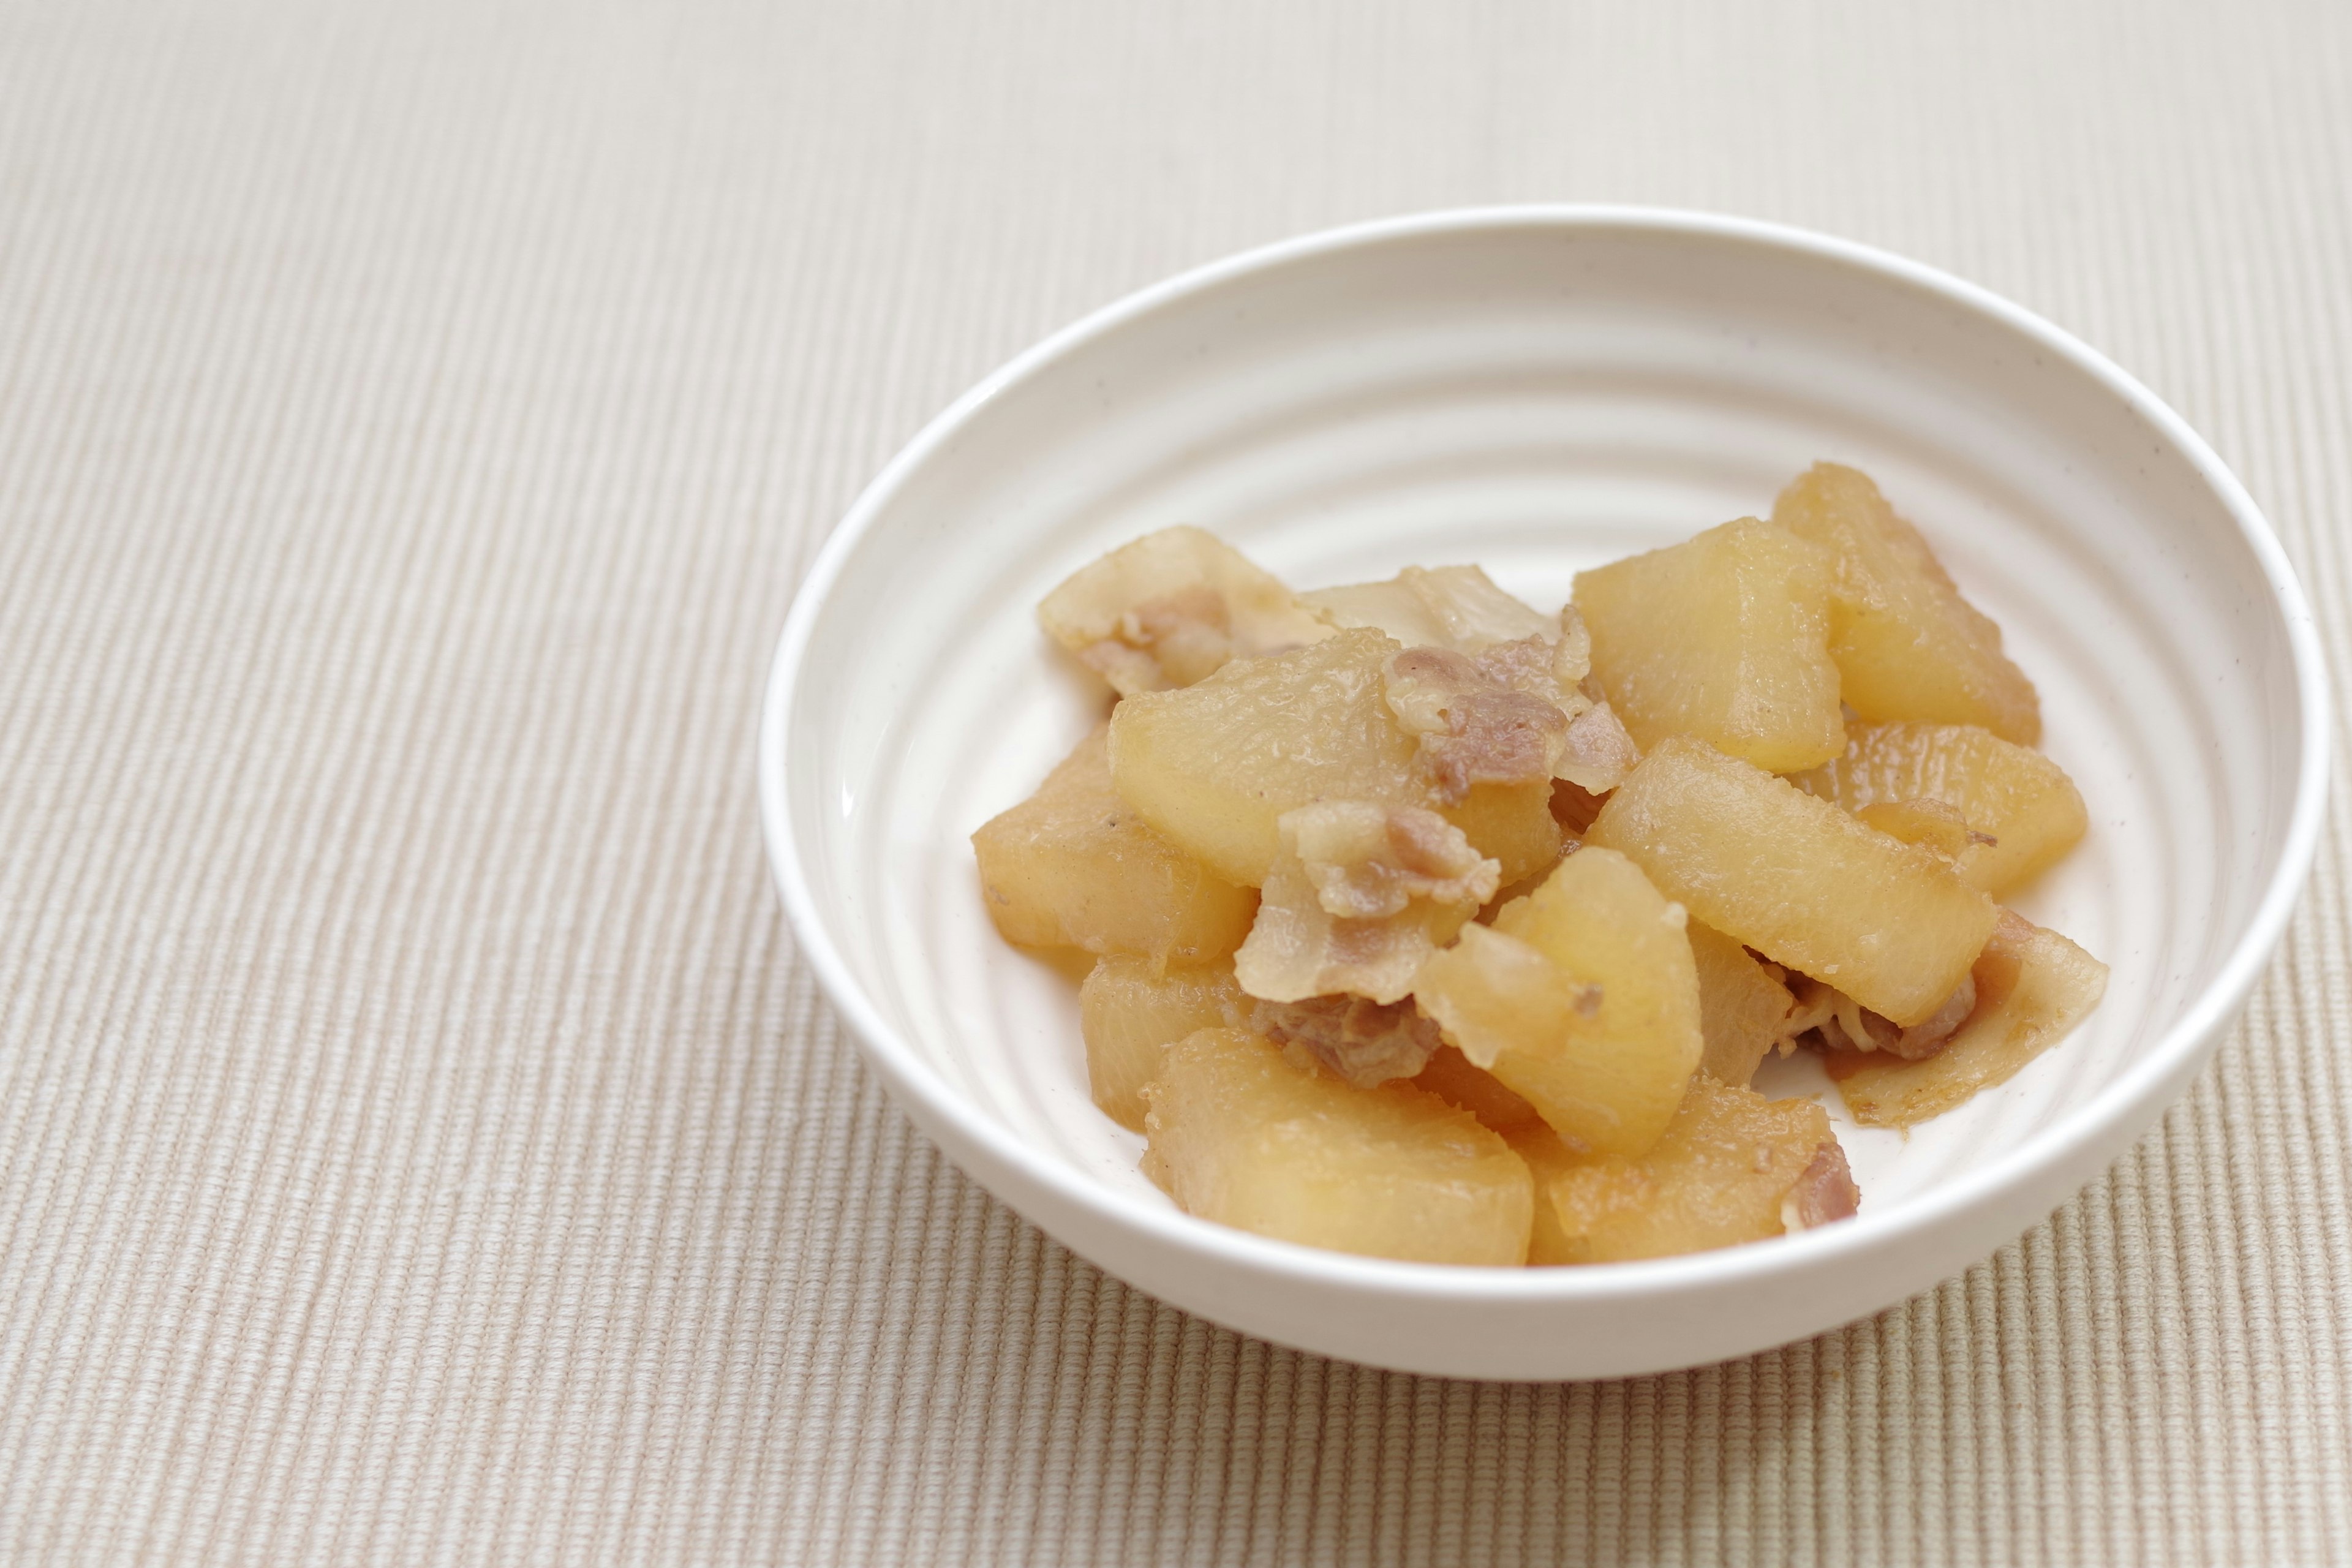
(1742,1010)
(1130,1010)
(1731,1167)
(1076,866)
(1582,999)
(1888,923)
(2021,809)
(1239,1134)
(1725,637)
(1928,823)
(1907,645)
(1214,767)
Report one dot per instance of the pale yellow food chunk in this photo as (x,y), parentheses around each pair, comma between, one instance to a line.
(1456,1079)
(1890,924)
(1731,1167)
(1610,933)
(1510,824)
(1358,895)
(1452,1077)
(1239,1134)
(1457,607)
(1548,1158)
(1214,767)
(1583,998)
(2032,987)
(1131,1010)
(1907,645)
(1074,866)
(1494,995)
(1172,607)
(1725,637)
(1742,1011)
(2026,809)
(1929,824)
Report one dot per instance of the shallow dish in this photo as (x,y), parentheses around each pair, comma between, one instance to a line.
(1539,390)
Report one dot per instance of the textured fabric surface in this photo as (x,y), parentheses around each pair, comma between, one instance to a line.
(418,1141)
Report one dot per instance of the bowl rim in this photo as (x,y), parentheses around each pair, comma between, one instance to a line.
(2115,1106)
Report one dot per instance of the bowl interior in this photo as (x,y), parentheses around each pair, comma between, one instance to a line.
(1537,398)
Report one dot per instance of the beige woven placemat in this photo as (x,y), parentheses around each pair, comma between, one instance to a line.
(417,1140)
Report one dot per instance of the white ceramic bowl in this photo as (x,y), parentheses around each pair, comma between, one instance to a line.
(1540,390)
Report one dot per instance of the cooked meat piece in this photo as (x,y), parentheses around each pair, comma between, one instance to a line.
(1495,718)
(1599,753)
(1823,1194)
(1850,1026)
(1364,1042)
